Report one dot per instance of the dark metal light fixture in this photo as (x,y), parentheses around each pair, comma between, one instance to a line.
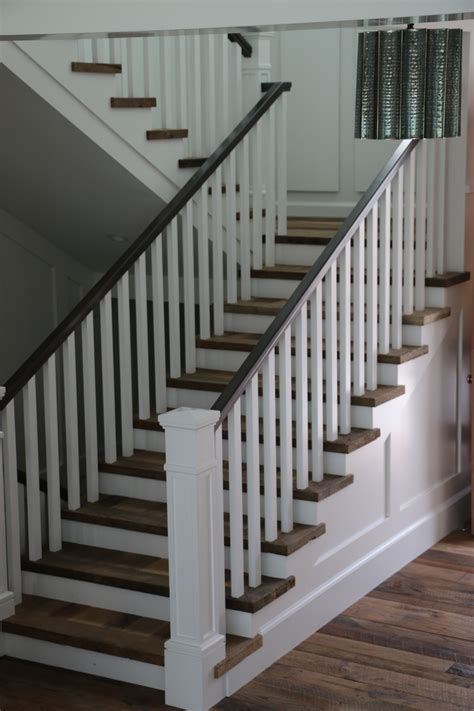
(409,84)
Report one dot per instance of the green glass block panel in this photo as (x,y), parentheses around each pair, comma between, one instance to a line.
(452,110)
(389,84)
(413,83)
(367,72)
(436,67)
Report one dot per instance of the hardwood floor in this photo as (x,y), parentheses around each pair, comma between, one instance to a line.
(408,644)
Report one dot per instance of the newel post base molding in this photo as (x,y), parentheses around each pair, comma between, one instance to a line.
(196,559)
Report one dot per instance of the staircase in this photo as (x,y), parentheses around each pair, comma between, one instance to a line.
(199,438)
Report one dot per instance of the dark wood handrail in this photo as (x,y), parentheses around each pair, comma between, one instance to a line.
(57,337)
(310,281)
(245,46)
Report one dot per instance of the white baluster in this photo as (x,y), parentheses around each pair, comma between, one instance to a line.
(317,423)
(125,355)
(124,76)
(211,71)
(84,50)
(236,502)
(237,84)
(253,483)
(203,238)
(196,77)
(384,271)
(231,230)
(441,208)
(52,454)
(188,279)
(224,85)
(270,208)
(371,298)
(183,84)
(359,310)
(90,408)
(141,305)
(217,253)
(269,448)
(420,234)
(345,340)
(170,81)
(159,339)
(245,241)
(108,378)
(33,495)
(173,299)
(281,177)
(3,526)
(256,152)
(330,293)
(431,207)
(12,513)
(155,87)
(409,235)
(397,256)
(286,433)
(301,371)
(103,51)
(71,423)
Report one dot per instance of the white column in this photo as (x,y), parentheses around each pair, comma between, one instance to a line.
(7,604)
(196,560)
(257,68)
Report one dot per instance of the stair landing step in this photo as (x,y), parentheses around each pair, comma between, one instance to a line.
(115,633)
(96,68)
(141,102)
(142,573)
(164,134)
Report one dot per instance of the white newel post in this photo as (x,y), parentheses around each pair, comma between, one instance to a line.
(7,602)
(196,558)
(257,68)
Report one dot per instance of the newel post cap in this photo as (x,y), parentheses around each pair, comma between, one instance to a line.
(188,418)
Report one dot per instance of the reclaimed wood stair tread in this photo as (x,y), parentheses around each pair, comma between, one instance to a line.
(140,102)
(163,134)
(237,649)
(142,573)
(142,463)
(96,68)
(285,543)
(191,162)
(115,633)
(235,341)
(216,380)
(448,279)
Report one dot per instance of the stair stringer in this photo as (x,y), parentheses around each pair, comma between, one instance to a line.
(411,488)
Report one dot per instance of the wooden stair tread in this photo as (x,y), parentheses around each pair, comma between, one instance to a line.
(115,633)
(166,134)
(142,573)
(286,543)
(142,463)
(426,316)
(191,162)
(96,68)
(216,380)
(319,238)
(235,341)
(237,649)
(140,102)
(448,279)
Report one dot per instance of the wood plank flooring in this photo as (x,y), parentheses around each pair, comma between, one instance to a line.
(408,644)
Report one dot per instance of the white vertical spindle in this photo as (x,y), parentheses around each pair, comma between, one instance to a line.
(270,190)
(182,83)
(286,434)
(431,207)
(359,310)
(90,408)
(384,271)
(317,423)
(301,372)
(345,340)
(330,294)
(203,277)
(256,151)
(245,236)
(141,305)
(3,526)
(281,176)
(12,513)
(253,483)
(231,229)
(217,253)
(173,299)
(397,257)
(52,454)
(33,495)
(269,448)
(420,226)
(211,70)
(196,76)
(108,379)
(170,84)
(159,339)
(125,356)
(409,235)
(441,208)
(224,85)
(371,298)
(236,502)
(188,279)
(71,423)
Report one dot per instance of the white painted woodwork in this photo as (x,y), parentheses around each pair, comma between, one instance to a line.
(236,502)
(359,310)
(71,423)
(90,408)
(224,85)
(316,346)
(301,373)
(281,178)
(159,340)
(253,483)
(440,203)
(371,299)
(330,322)
(218,253)
(182,73)
(231,228)
(52,454)
(286,434)
(211,76)
(12,513)
(409,234)
(270,187)
(345,340)
(143,367)
(257,156)
(269,447)
(245,233)
(173,299)
(196,88)
(397,260)
(431,208)
(125,359)
(203,264)
(33,496)
(108,379)
(3,525)
(384,270)
(196,569)
(188,281)
(420,225)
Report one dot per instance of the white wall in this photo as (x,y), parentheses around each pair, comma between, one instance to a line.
(39,284)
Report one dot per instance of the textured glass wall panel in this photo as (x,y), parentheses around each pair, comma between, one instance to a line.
(389,84)
(452,112)
(367,71)
(436,64)
(413,83)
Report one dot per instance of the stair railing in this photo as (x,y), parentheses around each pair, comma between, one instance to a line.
(196,80)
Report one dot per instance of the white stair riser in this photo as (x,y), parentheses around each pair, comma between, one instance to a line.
(85,661)
(247,323)
(149,439)
(117,539)
(273,288)
(298,253)
(132,486)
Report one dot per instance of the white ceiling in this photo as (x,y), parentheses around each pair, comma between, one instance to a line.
(57,181)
